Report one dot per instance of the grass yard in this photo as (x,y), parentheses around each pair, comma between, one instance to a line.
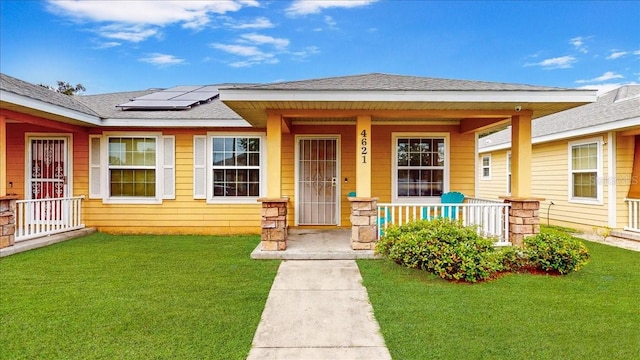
(591,314)
(133,297)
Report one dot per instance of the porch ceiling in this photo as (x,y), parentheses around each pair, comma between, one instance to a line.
(255,112)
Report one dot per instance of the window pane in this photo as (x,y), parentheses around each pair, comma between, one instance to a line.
(129,182)
(584,185)
(234,162)
(420,162)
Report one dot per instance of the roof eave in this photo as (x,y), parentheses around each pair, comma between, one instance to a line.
(43,106)
(573,96)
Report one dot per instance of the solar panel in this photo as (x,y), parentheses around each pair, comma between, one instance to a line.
(197,95)
(179,97)
(157,104)
(160,95)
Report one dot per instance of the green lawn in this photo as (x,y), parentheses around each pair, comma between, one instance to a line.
(590,314)
(133,297)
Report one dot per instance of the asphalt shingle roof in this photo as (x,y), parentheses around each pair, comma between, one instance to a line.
(40,93)
(616,105)
(377,81)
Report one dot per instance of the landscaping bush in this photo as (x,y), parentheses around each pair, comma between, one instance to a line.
(555,251)
(443,247)
(454,252)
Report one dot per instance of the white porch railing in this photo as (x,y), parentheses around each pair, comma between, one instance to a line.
(35,218)
(490,217)
(634,215)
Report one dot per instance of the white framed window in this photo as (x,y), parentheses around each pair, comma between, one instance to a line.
(132,168)
(585,170)
(508,173)
(229,168)
(486,167)
(420,166)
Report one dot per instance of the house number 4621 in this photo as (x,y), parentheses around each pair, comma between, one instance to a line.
(364,146)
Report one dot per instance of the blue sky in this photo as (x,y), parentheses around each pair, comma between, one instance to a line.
(111,46)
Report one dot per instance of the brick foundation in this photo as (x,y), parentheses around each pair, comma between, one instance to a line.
(524,220)
(274,224)
(364,218)
(7,221)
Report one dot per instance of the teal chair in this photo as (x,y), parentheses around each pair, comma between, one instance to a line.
(453,197)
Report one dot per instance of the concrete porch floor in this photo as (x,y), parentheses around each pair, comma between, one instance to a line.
(315,244)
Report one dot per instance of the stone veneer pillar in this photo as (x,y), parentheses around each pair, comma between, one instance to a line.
(524,220)
(364,220)
(7,221)
(274,224)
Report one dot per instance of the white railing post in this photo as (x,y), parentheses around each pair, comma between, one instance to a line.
(41,217)
(633,223)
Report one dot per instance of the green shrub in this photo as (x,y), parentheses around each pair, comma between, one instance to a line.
(443,247)
(454,252)
(552,250)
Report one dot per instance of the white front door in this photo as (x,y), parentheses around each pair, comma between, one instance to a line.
(317,182)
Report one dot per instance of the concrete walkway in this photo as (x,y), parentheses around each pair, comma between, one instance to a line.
(318,309)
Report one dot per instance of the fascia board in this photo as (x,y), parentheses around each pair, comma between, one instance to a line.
(49,108)
(612,126)
(559,96)
(181,123)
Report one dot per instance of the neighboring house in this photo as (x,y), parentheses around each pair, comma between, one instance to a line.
(585,163)
(202,159)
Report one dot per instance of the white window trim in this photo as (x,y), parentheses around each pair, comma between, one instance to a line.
(104,173)
(482,167)
(599,190)
(394,166)
(508,174)
(209,174)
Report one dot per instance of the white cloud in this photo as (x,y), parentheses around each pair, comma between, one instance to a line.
(264,39)
(142,18)
(107,45)
(332,24)
(637,52)
(562,62)
(304,54)
(240,50)
(131,33)
(257,23)
(578,43)
(306,7)
(162,60)
(609,75)
(616,54)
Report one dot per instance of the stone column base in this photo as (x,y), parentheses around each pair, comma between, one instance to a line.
(524,220)
(7,221)
(274,224)
(364,220)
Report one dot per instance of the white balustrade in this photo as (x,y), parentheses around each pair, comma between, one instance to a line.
(36,218)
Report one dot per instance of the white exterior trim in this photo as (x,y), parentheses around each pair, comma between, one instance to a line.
(612,160)
(482,167)
(499,96)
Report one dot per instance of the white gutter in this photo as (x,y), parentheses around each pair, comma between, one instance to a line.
(48,107)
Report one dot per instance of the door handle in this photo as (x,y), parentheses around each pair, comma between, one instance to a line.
(334,181)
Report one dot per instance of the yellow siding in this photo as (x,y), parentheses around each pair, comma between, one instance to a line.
(184,215)
(496,187)
(550,181)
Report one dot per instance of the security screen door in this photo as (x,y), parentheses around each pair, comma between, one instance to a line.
(48,166)
(317,181)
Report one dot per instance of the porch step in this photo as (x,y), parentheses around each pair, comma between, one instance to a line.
(43,241)
(626,235)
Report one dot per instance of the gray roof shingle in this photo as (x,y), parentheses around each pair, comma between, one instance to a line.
(620,104)
(40,93)
(382,82)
